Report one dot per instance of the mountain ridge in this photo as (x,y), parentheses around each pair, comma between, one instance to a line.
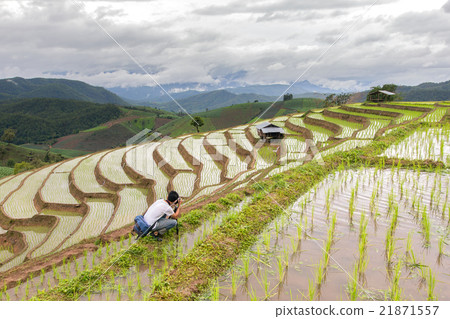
(20,88)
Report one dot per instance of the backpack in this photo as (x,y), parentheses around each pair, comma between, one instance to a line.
(141,228)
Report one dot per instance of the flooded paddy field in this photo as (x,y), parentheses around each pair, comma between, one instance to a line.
(424,144)
(367,234)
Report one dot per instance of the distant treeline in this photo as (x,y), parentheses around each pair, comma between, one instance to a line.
(426,92)
(41,119)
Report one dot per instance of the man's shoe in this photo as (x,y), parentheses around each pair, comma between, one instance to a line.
(155,236)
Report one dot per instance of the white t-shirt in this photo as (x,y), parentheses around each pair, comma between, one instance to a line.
(157,210)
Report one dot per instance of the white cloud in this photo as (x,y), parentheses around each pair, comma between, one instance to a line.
(240,42)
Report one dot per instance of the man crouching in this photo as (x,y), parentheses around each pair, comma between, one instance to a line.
(161,214)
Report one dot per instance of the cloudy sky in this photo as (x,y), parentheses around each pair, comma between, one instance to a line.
(248,42)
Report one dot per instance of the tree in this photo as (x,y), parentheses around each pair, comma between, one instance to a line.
(391,88)
(334,99)
(343,98)
(2,151)
(287,97)
(197,122)
(8,135)
(329,100)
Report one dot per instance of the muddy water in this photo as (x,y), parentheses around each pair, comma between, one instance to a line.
(427,144)
(283,265)
(70,268)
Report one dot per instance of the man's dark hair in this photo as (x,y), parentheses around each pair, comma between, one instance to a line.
(173,196)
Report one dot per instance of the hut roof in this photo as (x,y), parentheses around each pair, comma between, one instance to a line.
(266,130)
(383,91)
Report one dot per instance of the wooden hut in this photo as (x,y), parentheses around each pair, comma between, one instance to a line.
(380,96)
(268,130)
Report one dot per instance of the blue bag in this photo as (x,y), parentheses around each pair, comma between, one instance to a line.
(141,227)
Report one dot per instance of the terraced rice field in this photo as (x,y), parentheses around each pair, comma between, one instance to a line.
(347,127)
(55,208)
(372,129)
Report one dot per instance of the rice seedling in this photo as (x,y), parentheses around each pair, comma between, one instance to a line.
(299,230)
(311,290)
(252,294)
(55,272)
(119,292)
(426,226)
(294,244)
(320,273)
(395,290)
(351,207)
(77,269)
(409,244)
(352,285)
(42,277)
(265,284)
(215,291)
(441,246)
(390,246)
(266,239)
(258,252)
(234,282)
(281,268)
(246,266)
(305,225)
(372,199)
(431,285)
(85,264)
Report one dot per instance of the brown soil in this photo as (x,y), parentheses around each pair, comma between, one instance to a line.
(160,121)
(347,117)
(306,133)
(369,111)
(336,129)
(163,164)
(13,240)
(71,141)
(219,158)
(110,137)
(405,107)
(121,120)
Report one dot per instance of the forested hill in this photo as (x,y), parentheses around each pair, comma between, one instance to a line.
(41,119)
(426,92)
(17,88)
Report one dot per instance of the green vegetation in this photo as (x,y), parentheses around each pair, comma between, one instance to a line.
(11,154)
(426,92)
(5,171)
(41,119)
(20,88)
(197,122)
